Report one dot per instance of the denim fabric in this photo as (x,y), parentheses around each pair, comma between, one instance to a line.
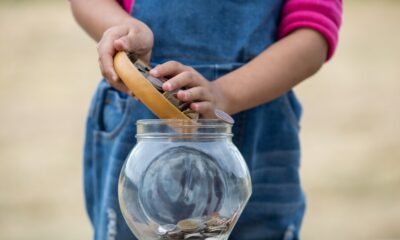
(210,31)
(215,37)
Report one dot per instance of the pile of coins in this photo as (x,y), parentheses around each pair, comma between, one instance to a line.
(184,107)
(206,228)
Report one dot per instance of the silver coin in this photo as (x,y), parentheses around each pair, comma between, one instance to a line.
(169,227)
(184,105)
(161,230)
(175,235)
(191,225)
(132,56)
(164,229)
(191,114)
(214,221)
(155,81)
(194,236)
(170,96)
(223,116)
(209,234)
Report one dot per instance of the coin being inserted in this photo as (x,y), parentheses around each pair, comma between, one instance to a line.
(221,115)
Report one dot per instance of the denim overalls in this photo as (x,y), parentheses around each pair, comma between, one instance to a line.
(214,37)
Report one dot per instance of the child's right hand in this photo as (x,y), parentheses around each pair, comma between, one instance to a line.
(132,37)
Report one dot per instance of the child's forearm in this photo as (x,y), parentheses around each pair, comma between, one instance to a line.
(96,16)
(272,73)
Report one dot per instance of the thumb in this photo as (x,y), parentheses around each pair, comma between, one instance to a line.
(122,44)
(126,43)
(131,43)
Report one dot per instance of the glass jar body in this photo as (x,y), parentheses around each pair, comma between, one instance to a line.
(184,183)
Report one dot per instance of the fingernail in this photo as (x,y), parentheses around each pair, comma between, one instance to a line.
(185,95)
(154,72)
(167,86)
(194,107)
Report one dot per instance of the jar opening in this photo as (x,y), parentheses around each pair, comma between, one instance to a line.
(162,128)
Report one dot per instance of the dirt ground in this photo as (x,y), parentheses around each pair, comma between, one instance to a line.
(350,129)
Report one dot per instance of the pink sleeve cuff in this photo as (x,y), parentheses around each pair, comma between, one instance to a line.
(127,5)
(324,16)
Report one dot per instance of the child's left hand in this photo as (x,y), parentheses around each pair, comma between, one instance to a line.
(203,94)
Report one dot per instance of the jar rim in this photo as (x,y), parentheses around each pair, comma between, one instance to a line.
(210,128)
(186,122)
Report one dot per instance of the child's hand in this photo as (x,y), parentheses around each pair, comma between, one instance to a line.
(132,37)
(204,96)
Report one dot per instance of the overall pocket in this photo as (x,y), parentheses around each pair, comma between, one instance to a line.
(112,112)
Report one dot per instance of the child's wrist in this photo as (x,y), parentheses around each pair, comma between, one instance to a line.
(222,101)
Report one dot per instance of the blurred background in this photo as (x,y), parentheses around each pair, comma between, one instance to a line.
(350,130)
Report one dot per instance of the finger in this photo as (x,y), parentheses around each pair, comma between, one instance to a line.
(128,43)
(107,68)
(106,44)
(204,108)
(107,51)
(170,68)
(121,44)
(194,94)
(184,79)
(119,86)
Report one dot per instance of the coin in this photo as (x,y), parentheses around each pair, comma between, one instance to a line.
(157,83)
(183,106)
(210,234)
(161,231)
(141,67)
(217,230)
(202,228)
(191,114)
(189,225)
(213,221)
(194,236)
(221,115)
(169,227)
(171,97)
(175,234)
(132,56)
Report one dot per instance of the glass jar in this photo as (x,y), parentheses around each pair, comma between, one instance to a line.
(184,179)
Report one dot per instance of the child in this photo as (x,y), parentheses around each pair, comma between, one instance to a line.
(253,52)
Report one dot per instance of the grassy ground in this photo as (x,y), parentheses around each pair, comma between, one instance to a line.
(350,130)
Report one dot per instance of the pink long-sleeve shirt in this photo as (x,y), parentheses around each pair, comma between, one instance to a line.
(323,16)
